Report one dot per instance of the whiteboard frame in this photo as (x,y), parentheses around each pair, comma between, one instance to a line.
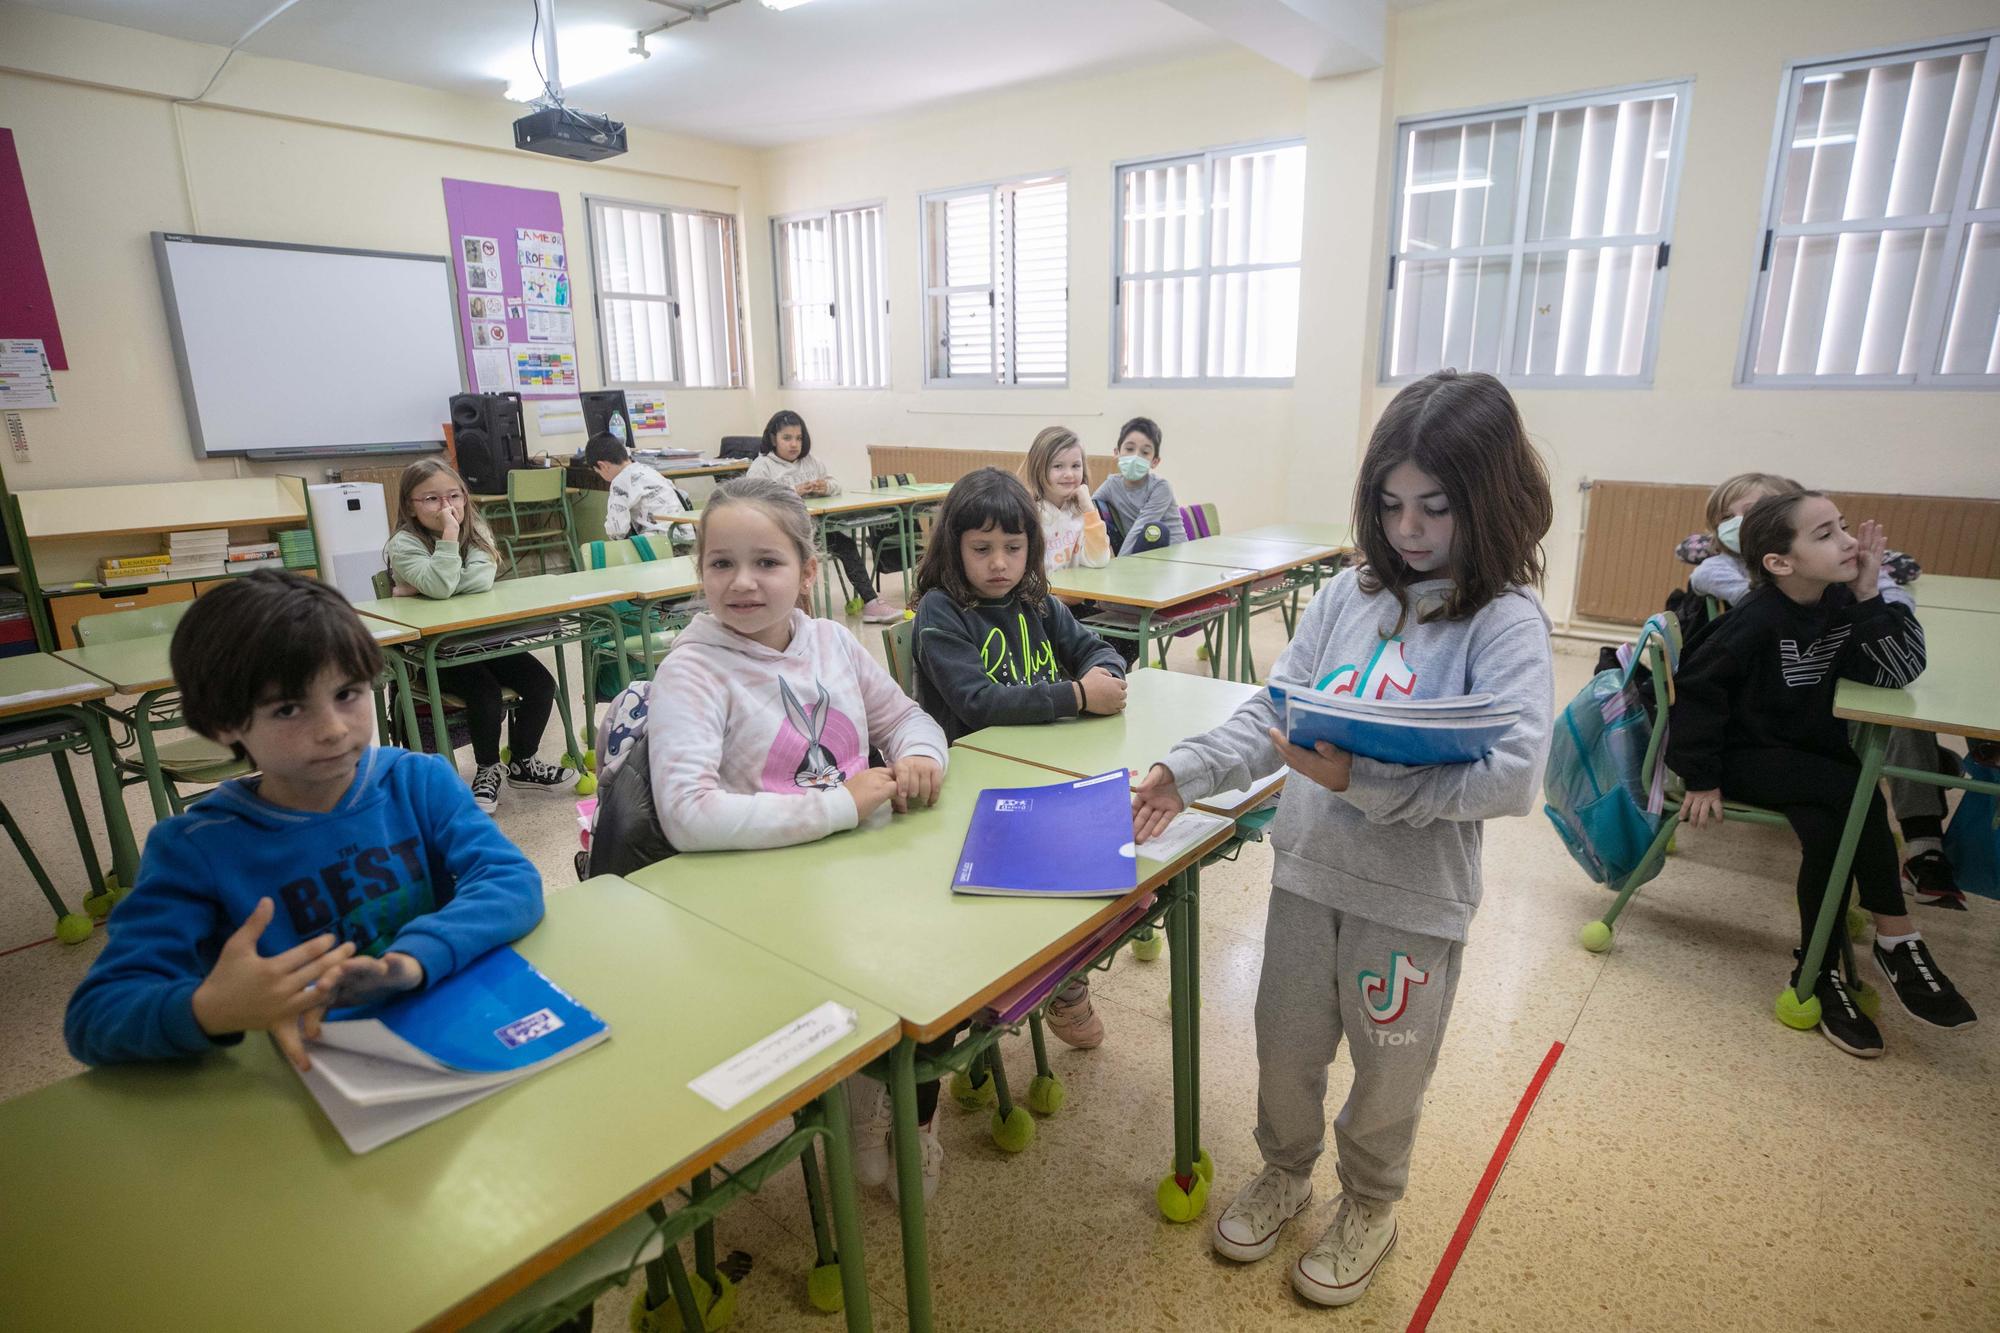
(161,239)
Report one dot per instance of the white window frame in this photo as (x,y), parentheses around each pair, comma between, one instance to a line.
(737,377)
(1002,273)
(1519,249)
(836,283)
(1203,272)
(1957,224)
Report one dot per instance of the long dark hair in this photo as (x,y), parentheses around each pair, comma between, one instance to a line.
(780,420)
(1465,431)
(985,497)
(1771,527)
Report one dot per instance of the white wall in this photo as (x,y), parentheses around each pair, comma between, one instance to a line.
(279,151)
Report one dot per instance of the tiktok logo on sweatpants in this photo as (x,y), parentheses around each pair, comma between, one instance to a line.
(1384,998)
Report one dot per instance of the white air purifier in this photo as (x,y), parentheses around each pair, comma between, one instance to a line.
(350,528)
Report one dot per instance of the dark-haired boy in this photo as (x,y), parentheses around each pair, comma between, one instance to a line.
(642,501)
(340,875)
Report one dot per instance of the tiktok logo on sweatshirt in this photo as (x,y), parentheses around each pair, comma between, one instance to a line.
(1384,998)
(1384,671)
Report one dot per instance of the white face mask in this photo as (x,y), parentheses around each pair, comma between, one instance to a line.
(1727,533)
(1133,468)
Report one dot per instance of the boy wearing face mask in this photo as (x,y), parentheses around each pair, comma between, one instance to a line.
(1721,574)
(1143,514)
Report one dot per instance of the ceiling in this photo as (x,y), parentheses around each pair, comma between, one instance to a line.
(747,75)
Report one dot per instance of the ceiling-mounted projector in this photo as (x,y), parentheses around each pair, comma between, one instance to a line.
(577,135)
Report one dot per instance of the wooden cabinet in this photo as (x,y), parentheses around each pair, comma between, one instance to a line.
(66,609)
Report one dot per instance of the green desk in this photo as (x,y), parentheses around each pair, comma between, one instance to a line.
(547,610)
(220,1198)
(1317,534)
(1297,563)
(932,957)
(35,686)
(1161,709)
(143,667)
(1955,696)
(1153,586)
(1955,593)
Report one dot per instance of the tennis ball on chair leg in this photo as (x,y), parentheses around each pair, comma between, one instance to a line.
(1595,936)
(971,1096)
(73,928)
(1015,1131)
(1794,1013)
(823,1288)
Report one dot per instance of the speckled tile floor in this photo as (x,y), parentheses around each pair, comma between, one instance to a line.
(1690,1163)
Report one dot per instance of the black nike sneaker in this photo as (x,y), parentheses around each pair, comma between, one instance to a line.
(1921,986)
(1928,877)
(1840,1018)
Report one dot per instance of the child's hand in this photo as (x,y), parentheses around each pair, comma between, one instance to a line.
(1103,693)
(1155,802)
(918,779)
(364,980)
(869,788)
(1868,560)
(451,519)
(1325,764)
(247,992)
(1702,807)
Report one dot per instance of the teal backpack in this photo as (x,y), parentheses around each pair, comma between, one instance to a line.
(1605,787)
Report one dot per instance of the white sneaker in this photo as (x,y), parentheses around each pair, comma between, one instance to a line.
(879,612)
(1338,1269)
(1248,1229)
(931,1153)
(868,1104)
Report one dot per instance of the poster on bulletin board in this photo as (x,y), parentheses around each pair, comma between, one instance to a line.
(514,288)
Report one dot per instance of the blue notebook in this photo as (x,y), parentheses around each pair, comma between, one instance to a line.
(1414,732)
(380,1073)
(1065,840)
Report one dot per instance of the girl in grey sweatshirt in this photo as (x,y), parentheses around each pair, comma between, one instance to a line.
(1376,866)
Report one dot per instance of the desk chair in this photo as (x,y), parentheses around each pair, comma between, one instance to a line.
(643,633)
(190,759)
(58,738)
(896,640)
(870,533)
(741,446)
(534,496)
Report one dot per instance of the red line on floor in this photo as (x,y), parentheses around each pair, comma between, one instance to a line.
(1421,1319)
(32,944)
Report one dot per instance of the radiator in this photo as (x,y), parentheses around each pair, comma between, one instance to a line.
(931,464)
(1631,528)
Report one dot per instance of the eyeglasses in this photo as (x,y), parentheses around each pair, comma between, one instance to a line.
(433,501)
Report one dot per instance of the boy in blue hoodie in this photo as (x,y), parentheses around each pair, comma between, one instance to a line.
(341,875)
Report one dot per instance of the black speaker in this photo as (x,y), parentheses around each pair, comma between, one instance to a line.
(490,438)
(604,412)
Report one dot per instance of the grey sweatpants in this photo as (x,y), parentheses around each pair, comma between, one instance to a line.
(1918,750)
(1389,991)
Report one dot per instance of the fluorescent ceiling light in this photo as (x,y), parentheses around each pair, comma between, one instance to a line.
(585,52)
(782,5)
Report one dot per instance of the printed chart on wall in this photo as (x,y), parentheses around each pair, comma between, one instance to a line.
(514,289)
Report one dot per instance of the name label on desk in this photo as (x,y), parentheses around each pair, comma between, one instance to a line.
(786,1049)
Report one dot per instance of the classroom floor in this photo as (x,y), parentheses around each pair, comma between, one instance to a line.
(1689,1164)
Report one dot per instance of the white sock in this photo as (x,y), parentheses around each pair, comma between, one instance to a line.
(1893,941)
(1915,847)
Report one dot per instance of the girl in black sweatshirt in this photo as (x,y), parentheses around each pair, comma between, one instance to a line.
(1753,722)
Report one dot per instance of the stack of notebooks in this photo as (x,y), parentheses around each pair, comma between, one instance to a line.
(379,1074)
(202,553)
(125,571)
(296,549)
(1415,732)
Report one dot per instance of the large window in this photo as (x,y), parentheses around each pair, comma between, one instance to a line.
(666,295)
(833,316)
(1208,266)
(1532,241)
(996,284)
(1881,255)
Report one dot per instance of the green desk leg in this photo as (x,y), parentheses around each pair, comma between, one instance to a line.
(910,1184)
(1239,639)
(117,824)
(149,754)
(440,730)
(1796,1003)
(1146,645)
(405,702)
(1183,1194)
(846,1206)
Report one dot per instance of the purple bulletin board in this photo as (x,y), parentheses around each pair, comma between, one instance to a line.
(26,308)
(520,315)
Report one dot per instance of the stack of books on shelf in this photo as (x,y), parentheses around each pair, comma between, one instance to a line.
(199,554)
(296,549)
(255,555)
(126,570)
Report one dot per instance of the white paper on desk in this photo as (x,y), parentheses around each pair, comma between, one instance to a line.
(786,1049)
(41,696)
(562,417)
(1188,829)
(493,370)
(1236,796)
(24,375)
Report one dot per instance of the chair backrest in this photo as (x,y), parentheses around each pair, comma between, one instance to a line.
(626,551)
(383,582)
(742,446)
(142,623)
(896,648)
(535,485)
(1201,520)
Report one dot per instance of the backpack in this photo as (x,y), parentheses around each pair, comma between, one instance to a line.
(1604,797)
(625,834)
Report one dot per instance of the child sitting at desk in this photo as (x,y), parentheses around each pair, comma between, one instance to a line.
(787,459)
(1753,721)
(1138,505)
(642,501)
(1073,531)
(762,719)
(441,548)
(993,648)
(341,874)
